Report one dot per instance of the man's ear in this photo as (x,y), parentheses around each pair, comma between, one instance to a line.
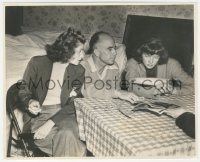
(96,52)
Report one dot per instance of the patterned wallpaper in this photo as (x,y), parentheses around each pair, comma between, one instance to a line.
(94,18)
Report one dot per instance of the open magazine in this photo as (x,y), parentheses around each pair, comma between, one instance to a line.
(156,106)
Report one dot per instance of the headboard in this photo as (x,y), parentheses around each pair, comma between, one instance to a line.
(177,36)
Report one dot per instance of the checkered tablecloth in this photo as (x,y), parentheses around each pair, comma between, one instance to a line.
(108,132)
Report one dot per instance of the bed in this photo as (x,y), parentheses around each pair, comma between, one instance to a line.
(19,49)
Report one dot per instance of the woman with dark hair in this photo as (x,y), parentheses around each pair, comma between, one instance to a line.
(152,61)
(50,83)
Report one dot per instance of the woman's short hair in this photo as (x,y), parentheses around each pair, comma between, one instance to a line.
(63,48)
(152,46)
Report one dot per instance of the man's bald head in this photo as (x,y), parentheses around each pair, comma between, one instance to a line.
(102,46)
(98,38)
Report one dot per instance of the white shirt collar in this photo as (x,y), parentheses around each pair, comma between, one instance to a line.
(94,69)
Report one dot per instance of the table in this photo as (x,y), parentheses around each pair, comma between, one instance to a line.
(108,132)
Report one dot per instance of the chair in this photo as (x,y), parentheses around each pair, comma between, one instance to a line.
(25,140)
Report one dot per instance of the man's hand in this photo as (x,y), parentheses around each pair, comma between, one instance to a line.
(128,96)
(44,130)
(34,107)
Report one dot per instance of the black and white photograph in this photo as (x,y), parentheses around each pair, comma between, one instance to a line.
(100,80)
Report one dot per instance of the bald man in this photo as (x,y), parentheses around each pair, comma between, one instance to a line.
(102,75)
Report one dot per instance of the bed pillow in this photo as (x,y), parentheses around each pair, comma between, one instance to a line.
(19,51)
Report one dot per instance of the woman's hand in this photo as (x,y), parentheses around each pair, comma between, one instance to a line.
(163,89)
(128,96)
(73,93)
(44,130)
(34,107)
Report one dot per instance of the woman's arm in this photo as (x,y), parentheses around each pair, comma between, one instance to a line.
(132,72)
(25,93)
(186,83)
(74,74)
(25,86)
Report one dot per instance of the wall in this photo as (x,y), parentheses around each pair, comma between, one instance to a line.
(94,18)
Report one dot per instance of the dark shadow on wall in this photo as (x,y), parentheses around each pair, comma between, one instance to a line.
(13,20)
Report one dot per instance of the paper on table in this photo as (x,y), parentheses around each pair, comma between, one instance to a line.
(157,106)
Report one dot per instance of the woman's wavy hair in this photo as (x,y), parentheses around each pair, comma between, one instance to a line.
(63,48)
(152,46)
